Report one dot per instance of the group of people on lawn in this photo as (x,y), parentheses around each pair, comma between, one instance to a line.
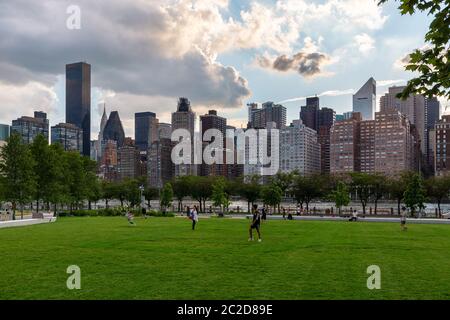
(257,217)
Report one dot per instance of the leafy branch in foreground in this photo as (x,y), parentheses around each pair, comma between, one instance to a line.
(432,62)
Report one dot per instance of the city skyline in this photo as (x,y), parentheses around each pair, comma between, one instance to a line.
(366,41)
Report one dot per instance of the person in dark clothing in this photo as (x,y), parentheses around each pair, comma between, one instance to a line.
(264,214)
(256,223)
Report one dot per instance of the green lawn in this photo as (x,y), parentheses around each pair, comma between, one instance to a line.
(164,259)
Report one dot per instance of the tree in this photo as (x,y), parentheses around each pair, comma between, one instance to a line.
(306,189)
(396,187)
(433,61)
(16,172)
(131,192)
(362,184)
(181,190)
(438,188)
(58,190)
(415,194)
(284,182)
(43,168)
(150,194)
(219,195)
(78,177)
(107,192)
(200,189)
(250,189)
(272,195)
(166,197)
(341,196)
(379,188)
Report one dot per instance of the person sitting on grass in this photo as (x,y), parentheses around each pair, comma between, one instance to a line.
(256,223)
(130,218)
(403,219)
(354,217)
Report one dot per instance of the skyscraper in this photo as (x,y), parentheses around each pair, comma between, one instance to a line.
(309,114)
(69,136)
(78,100)
(413,108)
(364,101)
(213,121)
(432,115)
(128,160)
(164,130)
(344,149)
(394,143)
(327,117)
(270,112)
(4,132)
(387,144)
(160,168)
(114,129)
(145,130)
(299,149)
(442,149)
(28,127)
(184,118)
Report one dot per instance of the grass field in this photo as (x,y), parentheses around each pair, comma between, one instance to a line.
(164,259)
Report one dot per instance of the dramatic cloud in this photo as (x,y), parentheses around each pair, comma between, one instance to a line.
(136,48)
(146,53)
(306,64)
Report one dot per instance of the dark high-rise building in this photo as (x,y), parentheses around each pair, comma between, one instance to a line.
(309,114)
(213,121)
(29,128)
(432,116)
(313,102)
(69,136)
(327,117)
(145,130)
(114,129)
(78,100)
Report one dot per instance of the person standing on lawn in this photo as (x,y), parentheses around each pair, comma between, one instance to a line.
(403,219)
(194,217)
(256,223)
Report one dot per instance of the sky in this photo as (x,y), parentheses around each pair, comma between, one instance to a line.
(221,54)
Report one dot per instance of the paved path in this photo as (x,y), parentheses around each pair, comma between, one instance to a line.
(25,222)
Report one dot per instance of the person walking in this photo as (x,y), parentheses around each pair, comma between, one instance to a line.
(256,223)
(194,217)
(130,218)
